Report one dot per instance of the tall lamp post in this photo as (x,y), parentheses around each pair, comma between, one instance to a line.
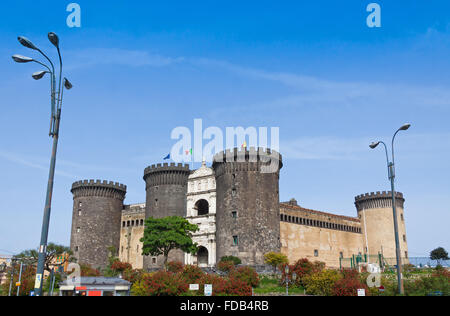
(287,280)
(55,118)
(391,176)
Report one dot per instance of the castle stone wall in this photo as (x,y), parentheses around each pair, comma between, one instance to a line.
(318,236)
(247,214)
(131,232)
(166,188)
(376,215)
(97,210)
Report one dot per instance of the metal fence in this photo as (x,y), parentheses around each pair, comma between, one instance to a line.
(390,263)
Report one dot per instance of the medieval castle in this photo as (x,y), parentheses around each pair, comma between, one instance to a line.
(236,205)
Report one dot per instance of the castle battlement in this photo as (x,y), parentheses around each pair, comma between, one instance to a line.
(378,200)
(103,183)
(166,174)
(100,188)
(251,154)
(252,159)
(166,167)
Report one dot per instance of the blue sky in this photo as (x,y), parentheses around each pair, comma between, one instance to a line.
(312,68)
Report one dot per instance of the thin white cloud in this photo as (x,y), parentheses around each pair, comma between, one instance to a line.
(32,163)
(115,56)
(348,148)
(316,91)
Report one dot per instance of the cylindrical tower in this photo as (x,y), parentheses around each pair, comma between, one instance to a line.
(248,204)
(166,188)
(377,223)
(97,210)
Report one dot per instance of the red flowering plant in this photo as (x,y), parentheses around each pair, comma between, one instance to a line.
(246,274)
(175,266)
(133,275)
(163,283)
(238,287)
(119,266)
(225,266)
(349,284)
(87,271)
(302,268)
(226,286)
(192,274)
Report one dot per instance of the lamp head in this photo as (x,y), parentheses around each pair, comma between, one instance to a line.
(39,74)
(374,145)
(53,39)
(405,127)
(286,269)
(67,84)
(26,42)
(21,59)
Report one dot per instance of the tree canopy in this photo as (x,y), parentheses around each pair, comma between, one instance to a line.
(161,235)
(439,254)
(30,257)
(275,259)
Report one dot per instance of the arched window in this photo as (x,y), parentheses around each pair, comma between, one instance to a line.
(202,256)
(202,207)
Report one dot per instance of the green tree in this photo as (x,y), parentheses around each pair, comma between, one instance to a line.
(27,280)
(161,235)
(30,257)
(439,254)
(275,259)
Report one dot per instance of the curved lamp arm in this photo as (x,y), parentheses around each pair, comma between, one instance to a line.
(403,128)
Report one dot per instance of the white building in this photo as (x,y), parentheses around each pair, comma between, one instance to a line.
(201,210)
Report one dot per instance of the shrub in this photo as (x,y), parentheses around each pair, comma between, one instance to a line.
(275,259)
(349,284)
(224,286)
(133,275)
(302,268)
(238,287)
(164,283)
(423,286)
(139,288)
(87,271)
(192,274)
(234,259)
(318,266)
(175,266)
(246,274)
(408,268)
(429,285)
(220,285)
(321,283)
(119,266)
(225,266)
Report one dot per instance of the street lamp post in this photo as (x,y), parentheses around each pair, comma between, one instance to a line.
(56,104)
(294,277)
(391,176)
(20,278)
(11,276)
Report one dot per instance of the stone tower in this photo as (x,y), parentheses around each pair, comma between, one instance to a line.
(248,209)
(166,188)
(377,223)
(97,211)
